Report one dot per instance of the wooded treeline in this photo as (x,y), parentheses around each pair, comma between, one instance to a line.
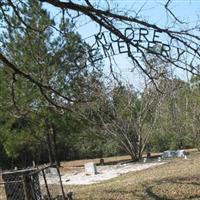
(123,122)
(91,118)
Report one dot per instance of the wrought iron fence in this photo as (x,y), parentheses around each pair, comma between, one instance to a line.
(33,184)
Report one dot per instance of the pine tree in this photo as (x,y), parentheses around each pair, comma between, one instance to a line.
(58,62)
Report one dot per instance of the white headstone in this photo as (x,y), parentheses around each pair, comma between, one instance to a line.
(52,171)
(90,168)
(180,153)
(144,160)
(159,159)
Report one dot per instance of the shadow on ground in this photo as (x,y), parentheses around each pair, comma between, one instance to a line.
(177,188)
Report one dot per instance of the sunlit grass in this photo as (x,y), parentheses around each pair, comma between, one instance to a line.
(178,179)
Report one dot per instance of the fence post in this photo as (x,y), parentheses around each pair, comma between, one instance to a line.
(61,185)
(46,185)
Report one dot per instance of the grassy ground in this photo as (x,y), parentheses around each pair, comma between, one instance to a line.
(179,180)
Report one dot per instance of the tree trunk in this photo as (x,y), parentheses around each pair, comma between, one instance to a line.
(48,139)
(55,152)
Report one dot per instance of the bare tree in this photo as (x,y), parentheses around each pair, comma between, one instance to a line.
(131,120)
(180,48)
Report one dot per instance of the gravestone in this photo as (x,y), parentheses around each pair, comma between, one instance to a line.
(180,153)
(148,155)
(90,168)
(101,162)
(168,154)
(52,171)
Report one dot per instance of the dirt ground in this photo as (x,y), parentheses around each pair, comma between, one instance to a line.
(74,173)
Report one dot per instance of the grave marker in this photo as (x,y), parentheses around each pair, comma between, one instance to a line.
(180,153)
(90,168)
(159,159)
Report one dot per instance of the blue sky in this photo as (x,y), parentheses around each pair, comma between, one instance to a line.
(152,11)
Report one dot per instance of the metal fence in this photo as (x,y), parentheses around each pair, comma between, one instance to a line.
(33,184)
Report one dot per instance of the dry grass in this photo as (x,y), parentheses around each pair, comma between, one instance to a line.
(179,179)
(108,160)
(76,164)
